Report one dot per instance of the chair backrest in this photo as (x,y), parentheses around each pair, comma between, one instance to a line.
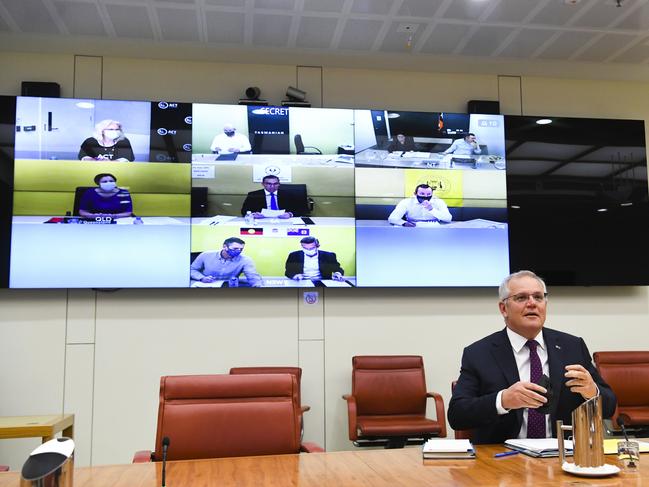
(628,375)
(211,416)
(300,195)
(389,384)
(296,371)
(299,145)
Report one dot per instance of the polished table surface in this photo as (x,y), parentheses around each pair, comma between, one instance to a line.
(362,468)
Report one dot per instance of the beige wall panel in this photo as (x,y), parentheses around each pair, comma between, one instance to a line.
(192,81)
(79,378)
(309,80)
(399,90)
(509,95)
(312,390)
(87,76)
(32,359)
(20,66)
(81,316)
(144,334)
(584,98)
(311,315)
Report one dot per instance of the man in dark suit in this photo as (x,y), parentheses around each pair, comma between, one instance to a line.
(497,395)
(273,199)
(312,263)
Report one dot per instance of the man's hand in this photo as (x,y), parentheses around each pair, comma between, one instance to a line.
(298,277)
(256,214)
(523,395)
(581,382)
(426,204)
(336,276)
(285,215)
(233,149)
(208,279)
(409,224)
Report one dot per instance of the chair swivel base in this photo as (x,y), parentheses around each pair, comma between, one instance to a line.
(390,442)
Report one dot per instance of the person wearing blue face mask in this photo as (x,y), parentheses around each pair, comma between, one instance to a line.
(312,263)
(422,207)
(230,142)
(107,144)
(224,264)
(107,199)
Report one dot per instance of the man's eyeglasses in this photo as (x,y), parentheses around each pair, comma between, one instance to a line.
(524,297)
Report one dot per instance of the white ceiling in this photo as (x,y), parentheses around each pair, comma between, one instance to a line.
(591,31)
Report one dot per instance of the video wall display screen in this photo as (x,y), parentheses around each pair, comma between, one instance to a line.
(133,194)
(431,199)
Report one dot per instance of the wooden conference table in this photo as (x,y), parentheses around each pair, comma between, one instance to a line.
(371,468)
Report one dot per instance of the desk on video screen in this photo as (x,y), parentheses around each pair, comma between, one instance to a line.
(331,160)
(429,160)
(152,254)
(468,253)
(282,281)
(234,221)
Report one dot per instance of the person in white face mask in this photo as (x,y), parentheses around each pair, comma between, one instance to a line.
(107,144)
(107,199)
(313,263)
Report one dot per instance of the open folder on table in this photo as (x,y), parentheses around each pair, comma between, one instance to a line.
(445,449)
(541,447)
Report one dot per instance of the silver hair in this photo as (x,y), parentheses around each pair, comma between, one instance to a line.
(503,290)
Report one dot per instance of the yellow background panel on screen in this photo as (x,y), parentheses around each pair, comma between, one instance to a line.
(446,184)
(44,187)
(269,253)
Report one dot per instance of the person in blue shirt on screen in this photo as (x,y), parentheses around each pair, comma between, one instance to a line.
(467,146)
(422,207)
(107,199)
(224,264)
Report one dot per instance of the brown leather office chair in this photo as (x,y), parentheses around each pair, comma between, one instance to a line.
(211,416)
(387,405)
(461,434)
(628,375)
(296,371)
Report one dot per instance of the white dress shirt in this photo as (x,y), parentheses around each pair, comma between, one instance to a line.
(311,269)
(463,148)
(224,143)
(415,211)
(522,356)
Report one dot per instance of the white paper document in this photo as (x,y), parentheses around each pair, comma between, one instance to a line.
(272,213)
(437,448)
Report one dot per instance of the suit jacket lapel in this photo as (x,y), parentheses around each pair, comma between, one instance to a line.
(557,366)
(504,357)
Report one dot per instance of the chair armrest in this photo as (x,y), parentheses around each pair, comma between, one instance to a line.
(439,411)
(305,408)
(351,416)
(143,456)
(310,447)
(4,468)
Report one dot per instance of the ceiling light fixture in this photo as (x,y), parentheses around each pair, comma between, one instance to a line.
(543,121)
